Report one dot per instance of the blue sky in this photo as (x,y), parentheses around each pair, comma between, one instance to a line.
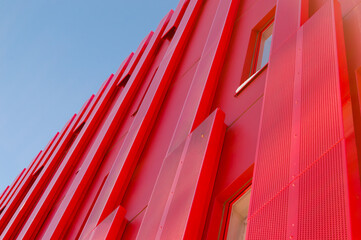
(53,56)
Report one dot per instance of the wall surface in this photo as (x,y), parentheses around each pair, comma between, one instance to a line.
(166,145)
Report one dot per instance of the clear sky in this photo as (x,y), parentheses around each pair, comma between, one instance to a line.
(53,55)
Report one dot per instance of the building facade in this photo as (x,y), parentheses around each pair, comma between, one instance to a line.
(234,119)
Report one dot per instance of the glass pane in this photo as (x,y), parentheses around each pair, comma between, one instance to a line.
(266,51)
(265,47)
(238,219)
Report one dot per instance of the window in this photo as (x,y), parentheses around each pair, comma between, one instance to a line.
(237,223)
(259,49)
(263,47)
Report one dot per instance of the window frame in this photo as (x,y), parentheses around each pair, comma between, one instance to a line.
(257,46)
(227,203)
(232,201)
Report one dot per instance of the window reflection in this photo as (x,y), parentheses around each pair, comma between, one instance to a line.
(264,48)
(238,219)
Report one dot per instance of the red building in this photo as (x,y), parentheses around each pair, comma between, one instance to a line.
(233,119)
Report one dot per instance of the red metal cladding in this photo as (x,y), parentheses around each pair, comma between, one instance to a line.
(202,89)
(17,187)
(87,170)
(176,18)
(47,151)
(314,142)
(81,139)
(160,194)
(181,195)
(186,208)
(10,189)
(5,192)
(145,159)
(66,136)
(134,61)
(48,166)
(288,18)
(32,194)
(111,227)
(12,203)
(101,209)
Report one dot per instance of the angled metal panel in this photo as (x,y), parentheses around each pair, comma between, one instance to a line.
(19,190)
(125,163)
(160,193)
(6,190)
(135,59)
(42,181)
(111,227)
(176,17)
(302,178)
(200,95)
(32,194)
(187,205)
(93,159)
(10,188)
(100,104)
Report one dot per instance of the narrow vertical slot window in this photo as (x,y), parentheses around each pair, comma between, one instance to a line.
(258,51)
(237,223)
(263,47)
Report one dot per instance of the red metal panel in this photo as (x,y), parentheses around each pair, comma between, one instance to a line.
(275,130)
(161,191)
(176,18)
(307,175)
(150,161)
(93,100)
(238,154)
(347,6)
(132,86)
(122,132)
(45,159)
(85,207)
(6,190)
(39,159)
(132,227)
(84,210)
(174,205)
(187,204)
(125,163)
(202,89)
(269,222)
(322,211)
(48,151)
(10,189)
(271,172)
(237,56)
(295,143)
(63,213)
(43,206)
(142,182)
(27,201)
(43,179)
(20,189)
(331,122)
(111,227)
(14,186)
(289,16)
(314,144)
(352,34)
(129,70)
